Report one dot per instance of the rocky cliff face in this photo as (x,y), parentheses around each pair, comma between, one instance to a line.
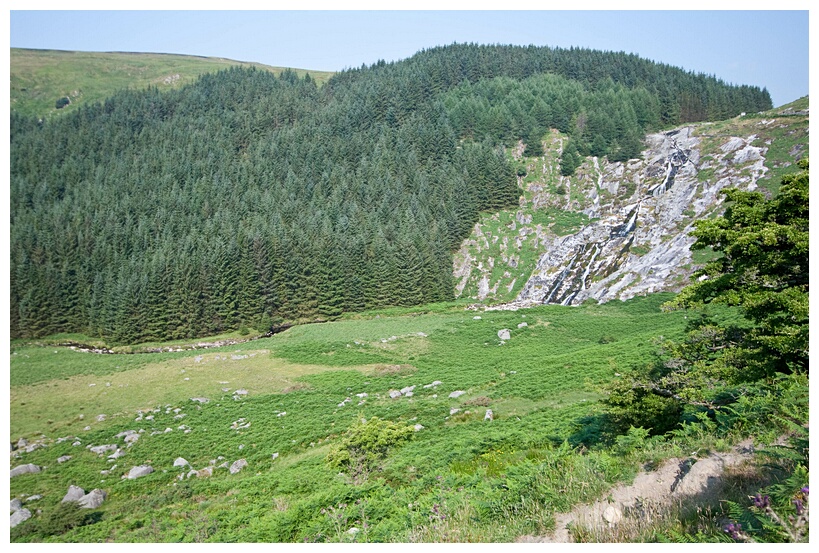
(613,231)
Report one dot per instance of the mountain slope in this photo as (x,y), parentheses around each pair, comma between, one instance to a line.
(39,78)
(616,230)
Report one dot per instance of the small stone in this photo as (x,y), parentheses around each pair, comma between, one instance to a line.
(395,394)
(75,493)
(274,456)
(418,427)
(15,505)
(503,334)
(456,393)
(238,466)
(612,515)
(523,325)
(476,318)
(490,416)
(454,410)
(139,471)
(63,459)
(24,469)
(19,516)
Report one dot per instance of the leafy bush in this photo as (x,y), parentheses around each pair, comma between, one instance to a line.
(366,444)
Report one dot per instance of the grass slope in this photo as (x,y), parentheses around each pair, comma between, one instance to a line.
(459,478)
(40,77)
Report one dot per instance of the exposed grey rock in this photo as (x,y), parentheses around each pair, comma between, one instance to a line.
(418,427)
(362,395)
(141,470)
(117,454)
(274,456)
(523,325)
(100,449)
(126,433)
(24,469)
(612,515)
(407,389)
(200,399)
(63,459)
(454,410)
(34,497)
(15,505)
(101,417)
(22,443)
(180,462)
(457,393)
(490,416)
(75,493)
(131,440)
(237,466)
(206,472)
(503,334)
(408,394)
(395,394)
(19,516)
(92,499)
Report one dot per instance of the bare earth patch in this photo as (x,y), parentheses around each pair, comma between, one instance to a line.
(676,481)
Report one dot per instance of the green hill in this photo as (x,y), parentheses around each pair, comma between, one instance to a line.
(39,78)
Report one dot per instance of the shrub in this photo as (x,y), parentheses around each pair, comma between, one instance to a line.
(62,102)
(366,444)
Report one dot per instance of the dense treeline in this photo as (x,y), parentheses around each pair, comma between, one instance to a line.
(245,198)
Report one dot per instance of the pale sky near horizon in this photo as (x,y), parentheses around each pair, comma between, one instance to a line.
(760,48)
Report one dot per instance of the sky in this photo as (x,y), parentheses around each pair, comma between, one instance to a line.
(761,48)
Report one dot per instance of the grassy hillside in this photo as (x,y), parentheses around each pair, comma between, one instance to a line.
(540,384)
(41,77)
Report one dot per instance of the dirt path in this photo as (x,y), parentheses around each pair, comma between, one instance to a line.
(673,482)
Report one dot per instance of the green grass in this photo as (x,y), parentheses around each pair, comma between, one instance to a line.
(459,478)
(40,77)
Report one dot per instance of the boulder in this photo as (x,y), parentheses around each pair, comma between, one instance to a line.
(200,399)
(503,334)
(418,427)
(237,466)
(19,516)
(180,462)
(205,472)
(490,416)
(407,389)
(24,469)
(141,470)
(63,459)
(395,394)
(75,493)
(15,505)
(92,499)
(100,449)
(457,393)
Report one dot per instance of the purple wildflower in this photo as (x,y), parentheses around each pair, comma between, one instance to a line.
(733,529)
(761,502)
(799,507)
(805,491)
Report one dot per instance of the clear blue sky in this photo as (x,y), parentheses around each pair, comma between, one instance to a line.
(761,48)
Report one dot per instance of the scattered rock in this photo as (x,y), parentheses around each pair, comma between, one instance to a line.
(457,393)
(490,416)
(283,413)
(63,459)
(19,516)
(503,334)
(100,449)
(92,499)
(407,390)
(180,462)
(139,471)
(15,505)
(24,469)
(395,394)
(101,418)
(418,427)
(238,466)
(34,497)
(361,395)
(75,493)
(353,531)
(612,515)
(476,318)
(523,325)
(274,456)
(200,399)
(117,454)
(454,410)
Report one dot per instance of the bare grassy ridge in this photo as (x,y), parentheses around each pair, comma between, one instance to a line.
(41,77)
